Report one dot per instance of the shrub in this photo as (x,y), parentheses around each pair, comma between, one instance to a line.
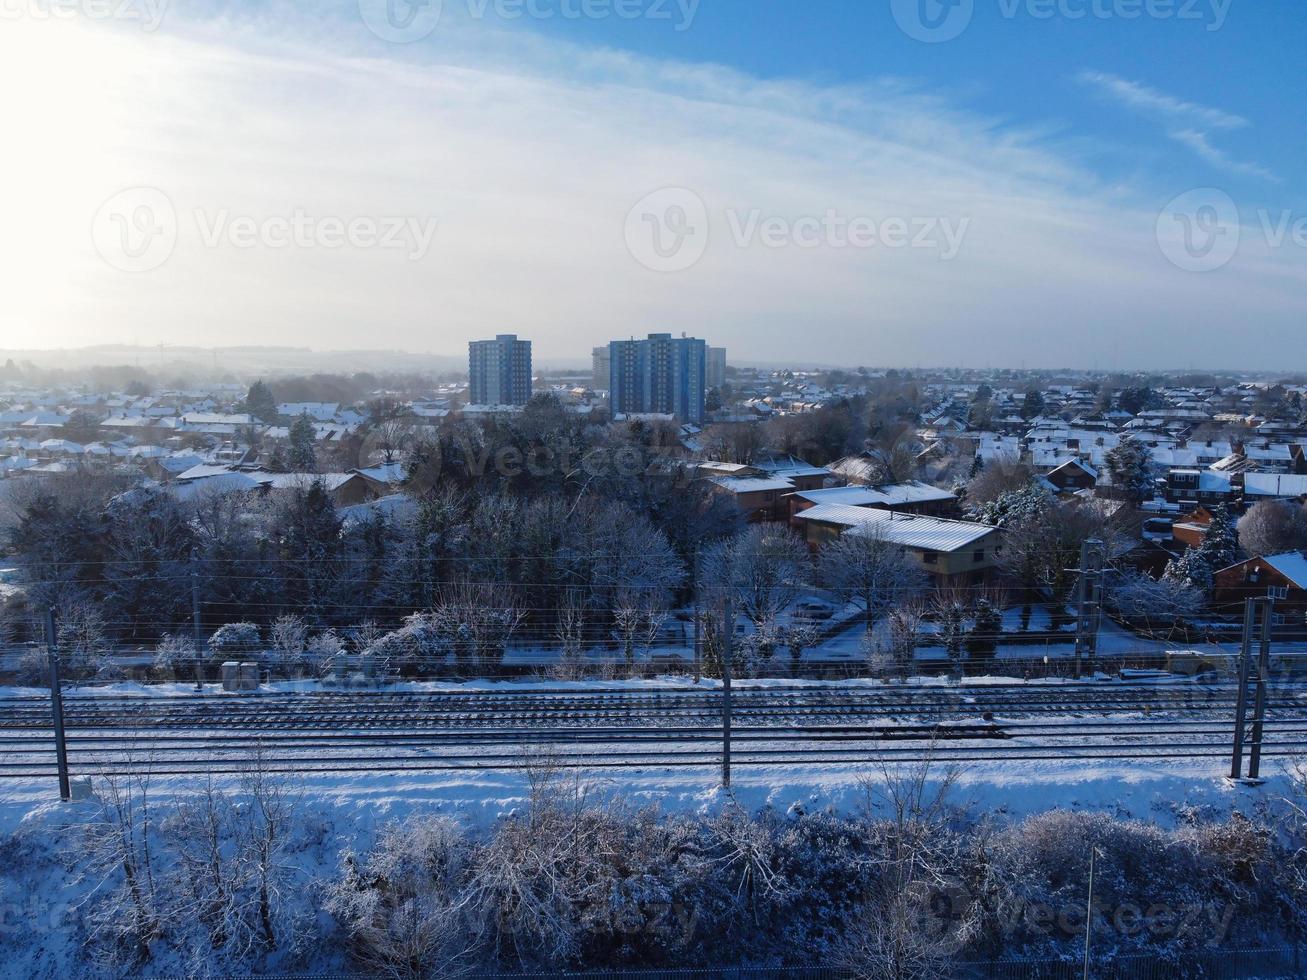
(235,641)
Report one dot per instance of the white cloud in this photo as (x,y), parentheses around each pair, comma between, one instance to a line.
(530,153)
(1187,123)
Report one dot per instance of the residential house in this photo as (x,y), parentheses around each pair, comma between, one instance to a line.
(952,553)
(1281,577)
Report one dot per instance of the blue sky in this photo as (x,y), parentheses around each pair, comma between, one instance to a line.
(1027,70)
(795,182)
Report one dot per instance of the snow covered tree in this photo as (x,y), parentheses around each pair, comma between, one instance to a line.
(1221,543)
(302,457)
(950,616)
(82,427)
(147,544)
(260,403)
(870,570)
(986,627)
(1128,462)
(1169,600)
(235,641)
(1032,405)
(1190,570)
(764,568)
(307,538)
(1273,527)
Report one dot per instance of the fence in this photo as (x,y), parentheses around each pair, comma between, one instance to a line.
(1217,964)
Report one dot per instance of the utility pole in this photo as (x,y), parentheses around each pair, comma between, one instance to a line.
(1253,608)
(1088,602)
(195,625)
(695,619)
(728,638)
(1263,676)
(57,707)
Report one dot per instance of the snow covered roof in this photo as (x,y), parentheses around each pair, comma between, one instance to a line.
(885,495)
(385,473)
(1080,465)
(750,484)
(1292,566)
(909,530)
(1286,485)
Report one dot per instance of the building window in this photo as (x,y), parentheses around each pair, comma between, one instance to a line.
(978,555)
(929,557)
(1278,591)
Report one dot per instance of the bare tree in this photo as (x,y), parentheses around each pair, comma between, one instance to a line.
(764,568)
(915,916)
(478,621)
(870,570)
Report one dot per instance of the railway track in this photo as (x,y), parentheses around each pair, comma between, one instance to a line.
(396,731)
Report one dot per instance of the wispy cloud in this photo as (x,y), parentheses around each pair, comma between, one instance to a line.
(1200,144)
(1188,123)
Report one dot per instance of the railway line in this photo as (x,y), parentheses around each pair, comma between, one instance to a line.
(810,725)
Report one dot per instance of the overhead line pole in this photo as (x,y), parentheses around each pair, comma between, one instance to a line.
(728,638)
(57,707)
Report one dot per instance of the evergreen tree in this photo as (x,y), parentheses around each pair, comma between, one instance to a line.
(1032,405)
(1220,549)
(260,402)
(987,624)
(1128,462)
(1221,545)
(302,458)
(309,550)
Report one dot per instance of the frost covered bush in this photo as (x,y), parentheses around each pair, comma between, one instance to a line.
(175,656)
(321,651)
(1153,889)
(240,881)
(84,647)
(404,908)
(416,645)
(235,641)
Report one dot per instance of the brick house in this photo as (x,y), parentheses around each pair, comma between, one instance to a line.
(1282,577)
(1073,475)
